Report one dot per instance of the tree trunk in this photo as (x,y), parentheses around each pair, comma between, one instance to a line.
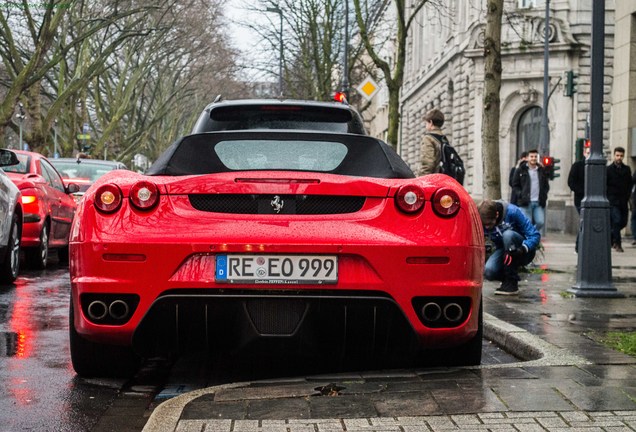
(491,101)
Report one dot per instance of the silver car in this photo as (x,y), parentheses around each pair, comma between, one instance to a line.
(10,221)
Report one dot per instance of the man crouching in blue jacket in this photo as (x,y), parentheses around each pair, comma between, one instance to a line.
(511,240)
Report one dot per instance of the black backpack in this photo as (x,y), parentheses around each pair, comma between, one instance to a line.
(450,164)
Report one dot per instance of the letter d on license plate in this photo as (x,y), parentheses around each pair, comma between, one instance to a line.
(277,269)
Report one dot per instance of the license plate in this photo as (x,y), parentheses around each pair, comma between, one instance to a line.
(277,269)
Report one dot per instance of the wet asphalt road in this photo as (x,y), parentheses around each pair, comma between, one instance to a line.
(39,390)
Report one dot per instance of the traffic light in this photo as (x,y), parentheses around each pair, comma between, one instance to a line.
(571,79)
(550,165)
(340,97)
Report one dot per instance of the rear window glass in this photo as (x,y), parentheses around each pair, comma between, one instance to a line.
(281,155)
(22,167)
(279,117)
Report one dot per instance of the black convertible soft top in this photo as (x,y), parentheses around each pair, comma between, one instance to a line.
(212,152)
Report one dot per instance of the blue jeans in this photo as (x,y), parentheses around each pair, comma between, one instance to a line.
(495,268)
(535,213)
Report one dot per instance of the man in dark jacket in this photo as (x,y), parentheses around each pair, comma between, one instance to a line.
(619,187)
(511,176)
(532,185)
(511,242)
(576,183)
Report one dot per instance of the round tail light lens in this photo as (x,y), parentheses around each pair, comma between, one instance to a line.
(144,195)
(108,198)
(410,199)
(446,202)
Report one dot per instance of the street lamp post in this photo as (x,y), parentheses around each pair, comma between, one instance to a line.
(276,9)
(594,269)
(20,116)
(345,78)
(544,142)
(55,153)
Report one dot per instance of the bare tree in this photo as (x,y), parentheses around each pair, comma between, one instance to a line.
(491,100)
(138,72)
(367,15)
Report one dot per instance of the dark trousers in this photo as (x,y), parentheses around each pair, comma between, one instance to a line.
(495,268)
(618,220)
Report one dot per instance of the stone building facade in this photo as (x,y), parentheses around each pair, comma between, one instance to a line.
(445,69)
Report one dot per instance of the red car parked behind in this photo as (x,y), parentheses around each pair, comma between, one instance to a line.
(49,208)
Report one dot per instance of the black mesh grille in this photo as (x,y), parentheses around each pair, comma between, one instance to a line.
(291,204)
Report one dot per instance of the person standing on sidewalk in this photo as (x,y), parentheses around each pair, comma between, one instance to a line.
(431,149)
(532,185)
(511,242)
(576,183)
(619,188)
(511,176)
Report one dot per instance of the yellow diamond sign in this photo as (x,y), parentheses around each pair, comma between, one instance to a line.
(368,88)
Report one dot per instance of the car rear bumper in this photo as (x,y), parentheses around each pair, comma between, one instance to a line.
(174,284)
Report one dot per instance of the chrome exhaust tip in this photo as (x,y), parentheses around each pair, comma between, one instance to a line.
(453,312)
(97,310)
(431,311)
(118,309)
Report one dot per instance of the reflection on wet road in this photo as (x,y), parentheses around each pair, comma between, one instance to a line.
(38,388)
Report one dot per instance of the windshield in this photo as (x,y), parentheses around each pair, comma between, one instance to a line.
(88,171)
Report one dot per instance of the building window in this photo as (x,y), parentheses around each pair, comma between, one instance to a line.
(526,4)
(529,130)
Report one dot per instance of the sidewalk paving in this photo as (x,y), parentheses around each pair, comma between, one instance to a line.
(567,383)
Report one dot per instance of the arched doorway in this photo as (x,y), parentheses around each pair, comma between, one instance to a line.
(529,130)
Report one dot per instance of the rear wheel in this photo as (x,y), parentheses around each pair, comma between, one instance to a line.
(38,257)
(91,359)
(11,264)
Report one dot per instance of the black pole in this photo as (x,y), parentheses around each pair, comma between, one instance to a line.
(345,78)
(544,144)
(594,271)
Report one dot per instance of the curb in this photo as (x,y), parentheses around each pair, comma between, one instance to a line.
(516,341)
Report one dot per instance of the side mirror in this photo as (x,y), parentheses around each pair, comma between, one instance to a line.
(72,188)
(8,158)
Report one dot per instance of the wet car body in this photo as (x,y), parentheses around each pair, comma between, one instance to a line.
(296,240)
(48,207)
(10,221)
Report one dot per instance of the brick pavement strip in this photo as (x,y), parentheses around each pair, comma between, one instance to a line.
(566,421)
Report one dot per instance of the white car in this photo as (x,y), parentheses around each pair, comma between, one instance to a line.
(10,221)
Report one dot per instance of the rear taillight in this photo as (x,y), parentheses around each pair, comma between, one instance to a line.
(108,198)
(410,199)
(144,195)
(29,199)
(446,202)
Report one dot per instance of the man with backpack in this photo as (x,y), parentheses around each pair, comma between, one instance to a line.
(436,153)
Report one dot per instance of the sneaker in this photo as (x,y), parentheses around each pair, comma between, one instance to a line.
(634,243)
(619,248)
(508,287)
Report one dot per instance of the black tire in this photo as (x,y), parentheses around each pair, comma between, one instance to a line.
(91,359)
(62,255)
(38,257)
(11,264)
(467,354)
